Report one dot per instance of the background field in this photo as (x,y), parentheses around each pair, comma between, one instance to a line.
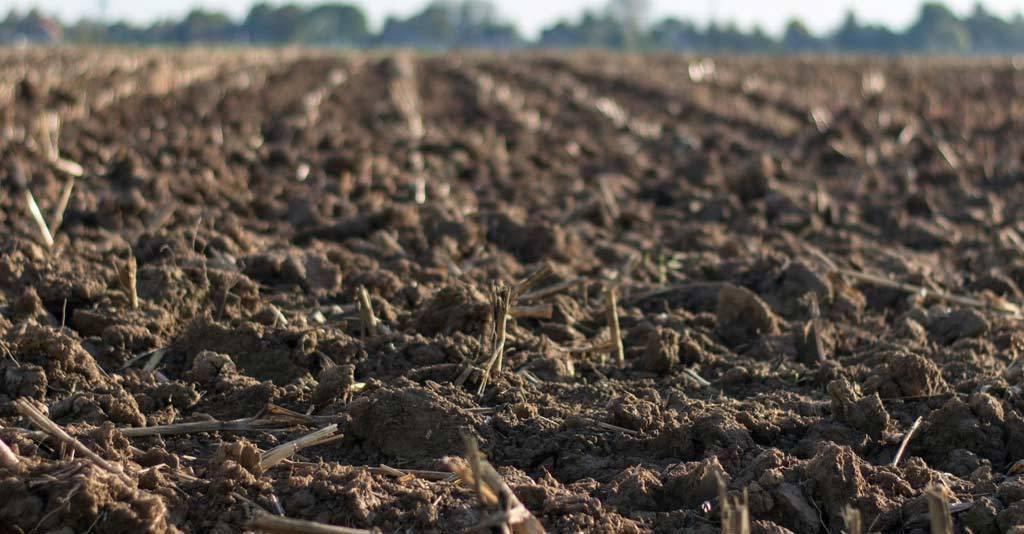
(815,260)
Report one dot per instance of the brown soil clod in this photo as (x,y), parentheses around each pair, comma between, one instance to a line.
(743,316)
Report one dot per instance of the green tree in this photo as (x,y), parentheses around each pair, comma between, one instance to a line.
(853,37)
(267,24)
(676,34)
(333,24)
(448,24)
(204,26)
(431,28)
(938,30)
(799,39)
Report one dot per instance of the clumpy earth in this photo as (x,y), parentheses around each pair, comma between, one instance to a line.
(756,218)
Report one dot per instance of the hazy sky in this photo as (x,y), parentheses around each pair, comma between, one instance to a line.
(531,15)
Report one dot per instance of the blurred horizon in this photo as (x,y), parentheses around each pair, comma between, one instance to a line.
(934,27)
(532,16)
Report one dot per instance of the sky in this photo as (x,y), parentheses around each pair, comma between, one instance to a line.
(532,15)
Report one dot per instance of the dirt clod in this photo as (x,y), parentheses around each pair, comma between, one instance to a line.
(743,316)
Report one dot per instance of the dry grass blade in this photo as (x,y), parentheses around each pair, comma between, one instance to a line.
(155,358)
(851,516)
(128,276)
(281,452)
(143,356)
(62,205)
(501,299)
(37,216)
(703,382)
(611,301)
(608,202)
(69,167)
(906,439)
(270,523)
(53,429)
(278,413)
(48,133)
(488,498)
(510,514)
(418,473)
(735,512)
(370,322)
(938,511)
(271,418)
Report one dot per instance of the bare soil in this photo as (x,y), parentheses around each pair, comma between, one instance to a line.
(748,211)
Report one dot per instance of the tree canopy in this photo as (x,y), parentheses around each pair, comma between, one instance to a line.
(620,24)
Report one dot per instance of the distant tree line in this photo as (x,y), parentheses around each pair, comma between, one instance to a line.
(447,24)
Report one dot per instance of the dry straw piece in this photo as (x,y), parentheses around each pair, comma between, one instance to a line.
(238,425)
(611,300)
(370,322)
(906,439)
(938,511)
(62,205)
(735,512)
(26,410)
(503,302)
(264,522)
(854,524)
(509,514)
(37,216)
(283,451)
(128,275)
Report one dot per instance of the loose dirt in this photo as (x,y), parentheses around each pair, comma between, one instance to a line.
(806,261)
